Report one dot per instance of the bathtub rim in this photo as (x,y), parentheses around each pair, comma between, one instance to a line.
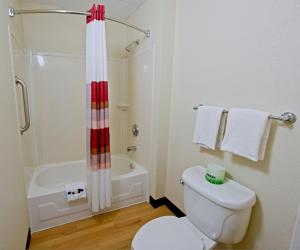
(36,190)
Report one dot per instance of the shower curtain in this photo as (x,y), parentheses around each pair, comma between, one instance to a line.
(97,134)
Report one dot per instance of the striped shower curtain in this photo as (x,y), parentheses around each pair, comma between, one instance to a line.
(97,135)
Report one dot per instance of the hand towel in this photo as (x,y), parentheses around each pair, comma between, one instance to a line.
(75,191)
(209,127)
(247,133)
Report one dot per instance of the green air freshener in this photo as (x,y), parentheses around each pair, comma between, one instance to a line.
(215,174)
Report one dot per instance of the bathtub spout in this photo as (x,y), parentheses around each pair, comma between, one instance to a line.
(131,148)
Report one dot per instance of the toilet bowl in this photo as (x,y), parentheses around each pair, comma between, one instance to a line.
(215,213)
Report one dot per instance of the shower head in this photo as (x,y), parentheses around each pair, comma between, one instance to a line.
(128,48)
(132,45)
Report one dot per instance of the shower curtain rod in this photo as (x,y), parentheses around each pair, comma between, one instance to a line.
(12,12)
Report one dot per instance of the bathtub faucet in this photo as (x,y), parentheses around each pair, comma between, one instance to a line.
(131,148)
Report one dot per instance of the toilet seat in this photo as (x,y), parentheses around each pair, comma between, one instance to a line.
(171,233)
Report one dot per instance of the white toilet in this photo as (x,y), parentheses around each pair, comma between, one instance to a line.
(215,213)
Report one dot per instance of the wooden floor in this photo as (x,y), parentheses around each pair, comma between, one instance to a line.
(110,231)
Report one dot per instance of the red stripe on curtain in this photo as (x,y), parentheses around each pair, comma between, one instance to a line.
(99,89)
(100,137)
(97,13)
(99,133)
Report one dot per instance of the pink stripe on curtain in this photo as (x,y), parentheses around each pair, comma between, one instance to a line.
(98,137)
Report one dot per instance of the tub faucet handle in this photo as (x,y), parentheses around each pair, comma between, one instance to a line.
(131,148)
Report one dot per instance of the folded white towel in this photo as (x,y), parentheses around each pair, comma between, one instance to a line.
(247,133)
(75,191)
(209,127)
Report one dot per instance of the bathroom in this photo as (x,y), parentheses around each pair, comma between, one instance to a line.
(231,54)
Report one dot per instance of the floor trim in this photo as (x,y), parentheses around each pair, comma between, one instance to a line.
(155,203)
(28,239)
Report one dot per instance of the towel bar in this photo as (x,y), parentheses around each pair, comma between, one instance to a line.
(286,117)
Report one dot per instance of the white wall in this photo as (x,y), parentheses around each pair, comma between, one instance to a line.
(13,216)
(158,16)
(241,54)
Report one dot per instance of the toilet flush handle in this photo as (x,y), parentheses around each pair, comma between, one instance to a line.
(181,182)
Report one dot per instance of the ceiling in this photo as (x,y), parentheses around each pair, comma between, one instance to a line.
(121,9)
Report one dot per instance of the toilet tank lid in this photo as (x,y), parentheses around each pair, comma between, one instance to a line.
(230,195)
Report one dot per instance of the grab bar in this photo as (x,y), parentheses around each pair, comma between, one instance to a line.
(24,128)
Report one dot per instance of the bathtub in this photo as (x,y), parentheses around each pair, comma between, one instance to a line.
(46,197)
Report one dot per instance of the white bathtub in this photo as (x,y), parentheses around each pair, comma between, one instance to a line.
(47,199)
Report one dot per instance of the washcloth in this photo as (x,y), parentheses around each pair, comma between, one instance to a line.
(75,191)
(247,133)
(209,127)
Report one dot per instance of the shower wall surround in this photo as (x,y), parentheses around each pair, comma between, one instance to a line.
(58,106)
(150,75)
(58,103)
(20,70)
(140,95)
(66,33)
(57,71)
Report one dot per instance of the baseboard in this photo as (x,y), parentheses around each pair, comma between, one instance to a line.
(28,239)
(155,203)
(174,208)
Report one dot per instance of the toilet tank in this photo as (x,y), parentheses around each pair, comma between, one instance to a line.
(222,212)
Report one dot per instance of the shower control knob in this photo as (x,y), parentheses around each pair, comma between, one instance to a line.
(135,130)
